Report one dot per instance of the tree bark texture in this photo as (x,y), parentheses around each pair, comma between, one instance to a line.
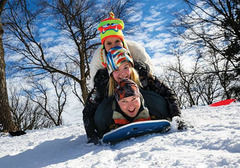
(6,123)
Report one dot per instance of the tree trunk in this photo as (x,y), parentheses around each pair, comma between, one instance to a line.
(6,123)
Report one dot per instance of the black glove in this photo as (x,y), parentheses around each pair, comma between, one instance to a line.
(17,133)
(143,71)
(101,80)
(181,124)
(94,139)
(142,68)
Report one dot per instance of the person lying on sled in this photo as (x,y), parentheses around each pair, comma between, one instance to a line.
(127,107)
(140,70)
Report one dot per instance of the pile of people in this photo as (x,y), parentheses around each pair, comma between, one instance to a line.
(124,87)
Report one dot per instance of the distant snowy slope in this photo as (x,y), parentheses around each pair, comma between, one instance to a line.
(213,142)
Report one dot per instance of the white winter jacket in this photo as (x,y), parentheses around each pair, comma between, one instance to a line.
(137,52)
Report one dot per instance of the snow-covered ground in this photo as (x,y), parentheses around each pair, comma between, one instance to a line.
(213,142)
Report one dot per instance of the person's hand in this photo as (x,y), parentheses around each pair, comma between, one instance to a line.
(142,68)
(180,123)
(94,139)
(143,72)
(101,80)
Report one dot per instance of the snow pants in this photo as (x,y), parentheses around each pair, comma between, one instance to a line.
(155,103)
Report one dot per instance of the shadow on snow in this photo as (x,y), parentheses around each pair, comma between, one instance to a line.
(49,152)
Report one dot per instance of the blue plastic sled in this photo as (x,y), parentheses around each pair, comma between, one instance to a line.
(136,129)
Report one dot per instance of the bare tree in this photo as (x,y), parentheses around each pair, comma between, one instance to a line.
(213,27)
(51,103)
(27,115)
(80,19)
(208,88)
(172,79)
(186,80)
(76,18)
(6,123)
(221,71)
(77,23)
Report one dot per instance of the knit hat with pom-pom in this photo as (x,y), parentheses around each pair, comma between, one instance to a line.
(111,27)
(116,56)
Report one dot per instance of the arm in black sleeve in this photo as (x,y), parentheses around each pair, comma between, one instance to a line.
(171,98)
(163,90)
(95,97)
(89,111)
(149,82)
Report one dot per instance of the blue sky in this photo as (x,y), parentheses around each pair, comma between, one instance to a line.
(154,17)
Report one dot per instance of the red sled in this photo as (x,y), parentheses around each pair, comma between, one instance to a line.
(223,102)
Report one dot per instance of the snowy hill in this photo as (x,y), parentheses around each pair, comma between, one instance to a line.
(213,142)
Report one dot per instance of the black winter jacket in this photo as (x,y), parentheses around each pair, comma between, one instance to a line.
(100,91)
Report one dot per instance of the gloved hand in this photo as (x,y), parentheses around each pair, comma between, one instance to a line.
(142,68)
(180,123)
(101,80)
(94,139)
(143,72)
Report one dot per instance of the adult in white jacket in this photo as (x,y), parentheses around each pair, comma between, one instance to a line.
(111,35)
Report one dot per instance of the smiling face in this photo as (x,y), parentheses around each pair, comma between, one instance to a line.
(130,105)
(122,72)
(111,42)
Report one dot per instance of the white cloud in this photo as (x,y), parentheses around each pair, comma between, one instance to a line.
(155,45)
(170,6)
(153,16)
(136,17)
(136,12)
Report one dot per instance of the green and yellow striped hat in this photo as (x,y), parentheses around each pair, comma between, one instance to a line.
(111,27)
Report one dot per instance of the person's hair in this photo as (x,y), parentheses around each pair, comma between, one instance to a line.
(112,83)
